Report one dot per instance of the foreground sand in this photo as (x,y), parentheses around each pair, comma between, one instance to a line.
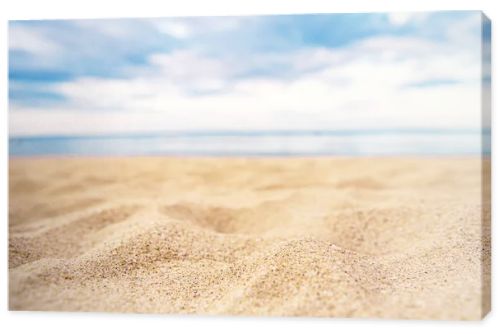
(361,237)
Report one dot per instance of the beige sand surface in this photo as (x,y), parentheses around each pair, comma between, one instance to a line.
(343,237)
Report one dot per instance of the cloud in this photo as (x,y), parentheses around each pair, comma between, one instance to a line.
(403,18)
(74,48)
(192,27)
(32,41)
(176,29)
(191,71)
(390,80)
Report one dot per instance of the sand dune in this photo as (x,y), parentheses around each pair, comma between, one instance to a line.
(361,237)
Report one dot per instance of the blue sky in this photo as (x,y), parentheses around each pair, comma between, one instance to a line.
(341,71)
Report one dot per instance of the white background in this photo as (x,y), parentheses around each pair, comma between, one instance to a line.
(127,323)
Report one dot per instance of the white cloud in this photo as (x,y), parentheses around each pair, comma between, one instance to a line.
(380,82)
(175,29)
(115,28)
(30,40)
(403,18)
(191,71)
(184,28)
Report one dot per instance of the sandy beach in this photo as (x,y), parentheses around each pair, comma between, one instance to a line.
(336,237)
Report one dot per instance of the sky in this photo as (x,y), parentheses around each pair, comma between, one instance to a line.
(288,72)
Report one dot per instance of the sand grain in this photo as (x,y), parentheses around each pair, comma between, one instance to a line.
(362,237)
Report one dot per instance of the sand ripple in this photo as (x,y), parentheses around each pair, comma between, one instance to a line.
(301,237)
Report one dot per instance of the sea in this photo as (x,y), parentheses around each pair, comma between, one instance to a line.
(261,143)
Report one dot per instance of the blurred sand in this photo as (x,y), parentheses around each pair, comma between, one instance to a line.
(343,237)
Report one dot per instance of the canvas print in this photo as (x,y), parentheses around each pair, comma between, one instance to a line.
(315,165)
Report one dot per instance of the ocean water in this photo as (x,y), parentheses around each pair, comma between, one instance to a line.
(261,143)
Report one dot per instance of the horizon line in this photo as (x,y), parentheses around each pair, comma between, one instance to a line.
(259,132)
